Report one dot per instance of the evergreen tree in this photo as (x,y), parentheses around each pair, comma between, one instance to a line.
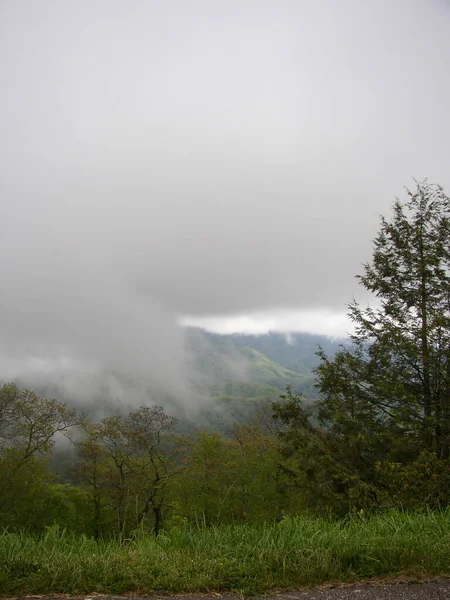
(394,382)
(385,398)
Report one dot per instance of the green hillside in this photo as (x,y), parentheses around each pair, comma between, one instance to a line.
(264,359)
(240,380)
(263,369)
(294,351)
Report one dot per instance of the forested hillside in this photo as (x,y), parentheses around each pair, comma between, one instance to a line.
(295,351)
(241,373)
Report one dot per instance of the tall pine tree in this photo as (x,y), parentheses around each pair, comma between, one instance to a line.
(391,389)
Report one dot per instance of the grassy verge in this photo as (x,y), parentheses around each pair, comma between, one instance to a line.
(296,552)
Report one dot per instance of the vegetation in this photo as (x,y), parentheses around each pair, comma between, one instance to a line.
(385,400)
(338,486)
(248,559)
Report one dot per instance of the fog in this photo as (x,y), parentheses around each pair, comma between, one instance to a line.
(219,164)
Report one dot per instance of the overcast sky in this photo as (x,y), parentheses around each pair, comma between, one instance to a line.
(216,162)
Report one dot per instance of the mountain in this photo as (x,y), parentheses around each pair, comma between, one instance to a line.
(231,378)
(242,373)
(273,358)
(262,369)
(294,351)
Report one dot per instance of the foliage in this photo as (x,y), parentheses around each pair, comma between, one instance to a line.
(421,484)
(229,480)
(386,398)
(315,465)
(28,425)
(125,469)
(395,380)
(245,559)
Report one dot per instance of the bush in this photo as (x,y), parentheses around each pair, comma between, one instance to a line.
(424,483)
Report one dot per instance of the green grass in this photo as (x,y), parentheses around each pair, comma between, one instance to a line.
(296,552)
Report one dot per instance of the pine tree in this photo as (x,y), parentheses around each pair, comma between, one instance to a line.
(391,389)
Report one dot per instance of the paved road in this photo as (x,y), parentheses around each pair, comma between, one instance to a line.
(436,590)
(433,590)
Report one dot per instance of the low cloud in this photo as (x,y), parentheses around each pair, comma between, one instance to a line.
(322,322)
(222,164)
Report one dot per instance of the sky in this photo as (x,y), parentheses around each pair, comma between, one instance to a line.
(221,164)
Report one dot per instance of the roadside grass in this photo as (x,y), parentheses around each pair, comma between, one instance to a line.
(293,553)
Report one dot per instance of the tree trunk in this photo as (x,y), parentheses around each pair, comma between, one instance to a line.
(157,511)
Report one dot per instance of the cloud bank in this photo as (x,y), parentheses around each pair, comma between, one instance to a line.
(167,161)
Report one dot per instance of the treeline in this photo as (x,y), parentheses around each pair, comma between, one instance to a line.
(377,438)
(132,473)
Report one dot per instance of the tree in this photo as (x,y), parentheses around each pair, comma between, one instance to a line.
(204,488)
(124,464)
(28,425)
(230,479)
(255,461)
(147,428)
(386,397)
(92,471)
(395,380)
(314,468)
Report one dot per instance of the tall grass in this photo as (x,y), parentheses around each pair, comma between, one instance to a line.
(296,552)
